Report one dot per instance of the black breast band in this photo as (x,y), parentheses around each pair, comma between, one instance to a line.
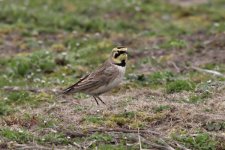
(122,64)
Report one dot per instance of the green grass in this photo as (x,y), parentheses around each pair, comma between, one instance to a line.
(174,43)
(68,17)
(122,119)
(199,98)
(154,80)
(37,62)
(109,147)
(201,141)
(161,108)
(20,136)
(179,85)
(56,138)
(51,44)
(101,137)
(5,109)
(22,98)
(94,119)
(214,126)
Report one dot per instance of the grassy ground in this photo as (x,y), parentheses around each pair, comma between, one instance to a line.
(47,45)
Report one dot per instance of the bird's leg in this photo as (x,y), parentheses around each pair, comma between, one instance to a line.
(96,100)
(100,99)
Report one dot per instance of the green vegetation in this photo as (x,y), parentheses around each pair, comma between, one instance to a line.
(4,109)
(94,119)
(109,147)
(215,126)
(48,45)
(161,108)
(56,138)
(101,137)
(200,141)
(174,44)
(179,85)
(199,98)
(19,136)
(21,98)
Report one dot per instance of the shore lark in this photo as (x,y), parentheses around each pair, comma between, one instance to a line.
(106,77)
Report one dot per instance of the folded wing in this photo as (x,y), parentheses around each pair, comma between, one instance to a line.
(102,76)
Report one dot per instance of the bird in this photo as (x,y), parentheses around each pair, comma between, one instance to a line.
(106,77)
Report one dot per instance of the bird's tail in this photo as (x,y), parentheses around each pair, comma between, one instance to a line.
(67,90)
(73,88)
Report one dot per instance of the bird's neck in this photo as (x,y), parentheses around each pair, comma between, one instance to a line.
(122,63)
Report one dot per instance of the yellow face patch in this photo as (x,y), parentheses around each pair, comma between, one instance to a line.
(119,49)
(119,55)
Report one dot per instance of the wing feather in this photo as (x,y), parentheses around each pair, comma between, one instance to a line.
(102,76)
(71,88)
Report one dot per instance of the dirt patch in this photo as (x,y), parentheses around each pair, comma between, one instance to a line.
(152,109)
(200,50)
(206,49)
(180,115)
(187,3)
(14,42)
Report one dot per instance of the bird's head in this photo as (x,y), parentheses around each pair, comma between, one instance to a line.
(119,56)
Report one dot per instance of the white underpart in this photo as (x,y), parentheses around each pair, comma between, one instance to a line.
(114,83)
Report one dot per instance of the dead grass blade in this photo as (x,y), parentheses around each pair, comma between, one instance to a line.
(216,73)
(102,130)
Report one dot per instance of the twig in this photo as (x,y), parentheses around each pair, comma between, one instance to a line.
(34,90)
(90,131)
(218,135)
(167,145)
(134,137)
(154,145)
(24,146)
(181,146)
(125,131)
(91,143)
(176,67)
(139,139)
(207,116)
(77,145)
(216,73)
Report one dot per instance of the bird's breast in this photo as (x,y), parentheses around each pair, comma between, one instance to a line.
(117,80)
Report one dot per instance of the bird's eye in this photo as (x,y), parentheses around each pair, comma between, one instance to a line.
(116,54)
